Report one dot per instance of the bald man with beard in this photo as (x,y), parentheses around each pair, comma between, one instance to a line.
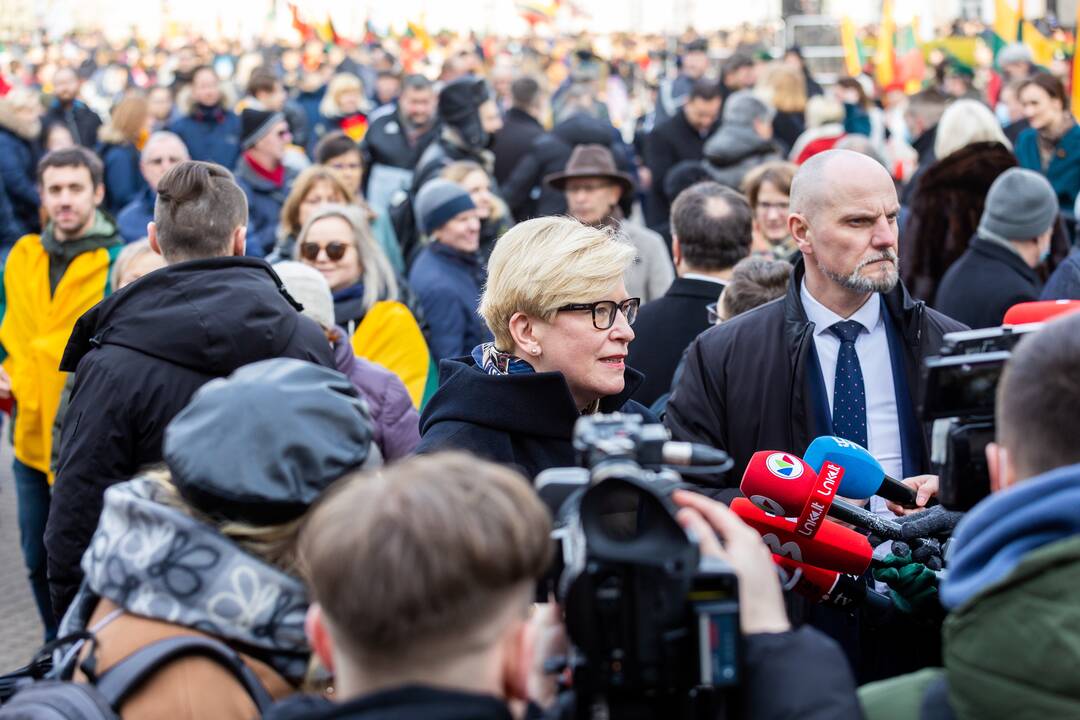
(766,379)
(840,354)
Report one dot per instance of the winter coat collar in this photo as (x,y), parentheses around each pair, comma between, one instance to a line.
(537,404)
(211,316)
(993,539)
(411,701)
(906,311)
(1003,252)
(157,562)
(102,233)
(208,114)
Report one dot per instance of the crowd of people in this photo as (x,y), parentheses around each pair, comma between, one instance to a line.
(285,344)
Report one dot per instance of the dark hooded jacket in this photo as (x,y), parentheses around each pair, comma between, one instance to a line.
(139,356)
(463,136)
(524,419)
(527,194)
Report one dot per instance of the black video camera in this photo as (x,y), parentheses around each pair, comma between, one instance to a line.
(654,626)
(959,391)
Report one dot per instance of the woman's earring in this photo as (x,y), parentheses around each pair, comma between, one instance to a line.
(535,351)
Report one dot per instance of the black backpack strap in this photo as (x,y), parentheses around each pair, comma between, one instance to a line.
(118,683)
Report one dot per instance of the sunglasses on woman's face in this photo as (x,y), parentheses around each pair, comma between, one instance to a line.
(334,250)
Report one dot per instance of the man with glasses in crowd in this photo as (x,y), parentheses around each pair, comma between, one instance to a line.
(593,187)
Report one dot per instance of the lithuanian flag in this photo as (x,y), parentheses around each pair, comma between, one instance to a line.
(885,55)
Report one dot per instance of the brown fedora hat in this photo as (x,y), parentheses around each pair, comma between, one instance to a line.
(591,161)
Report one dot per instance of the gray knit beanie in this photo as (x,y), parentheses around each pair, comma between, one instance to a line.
(438,202)
(1021,205)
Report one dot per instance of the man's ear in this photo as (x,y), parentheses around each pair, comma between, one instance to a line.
(99,194)
(519,647)
(800,231)
(1000,465)
(676,250)
(151,235)
(239,242)
(318,636)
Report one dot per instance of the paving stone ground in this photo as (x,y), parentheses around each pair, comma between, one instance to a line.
(20,628)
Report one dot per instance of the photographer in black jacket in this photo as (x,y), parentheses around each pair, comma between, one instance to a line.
(450,637)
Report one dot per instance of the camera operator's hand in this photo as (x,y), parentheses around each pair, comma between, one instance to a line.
(720,533)
(549,641)
(925,487)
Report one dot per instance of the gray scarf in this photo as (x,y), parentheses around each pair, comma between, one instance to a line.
(157,562)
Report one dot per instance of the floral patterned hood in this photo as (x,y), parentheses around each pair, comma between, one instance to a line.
(154,561)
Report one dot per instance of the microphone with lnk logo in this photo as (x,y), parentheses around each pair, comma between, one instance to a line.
(833,547)
(782,484)
(828,586)
(863,474)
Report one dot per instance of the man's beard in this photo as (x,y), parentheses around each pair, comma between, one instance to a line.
(857,282)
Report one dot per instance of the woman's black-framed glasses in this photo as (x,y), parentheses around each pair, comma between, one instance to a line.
(604,311)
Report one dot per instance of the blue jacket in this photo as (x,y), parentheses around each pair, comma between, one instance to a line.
(1064,283)
(448,283)
(995,536)
(132,220)
(1064,169)
(8,228)
(213,136)
(18,168)
(123,178)
(264,206)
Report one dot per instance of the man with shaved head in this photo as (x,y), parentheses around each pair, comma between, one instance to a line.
(840,354)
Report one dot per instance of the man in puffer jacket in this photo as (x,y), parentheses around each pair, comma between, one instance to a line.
(1011,640)
(140,356)
(743,141)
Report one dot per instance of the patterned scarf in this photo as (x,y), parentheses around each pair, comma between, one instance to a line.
(497,362)
(154,561)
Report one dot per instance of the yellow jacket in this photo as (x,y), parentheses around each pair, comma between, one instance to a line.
(389,336)
(35,330)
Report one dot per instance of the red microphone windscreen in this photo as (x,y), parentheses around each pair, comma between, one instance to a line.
(1039,311)
(778,482)
(834,547)
(811,582)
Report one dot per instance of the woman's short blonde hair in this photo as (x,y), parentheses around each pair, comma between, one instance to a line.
(542,264)
(965,122)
